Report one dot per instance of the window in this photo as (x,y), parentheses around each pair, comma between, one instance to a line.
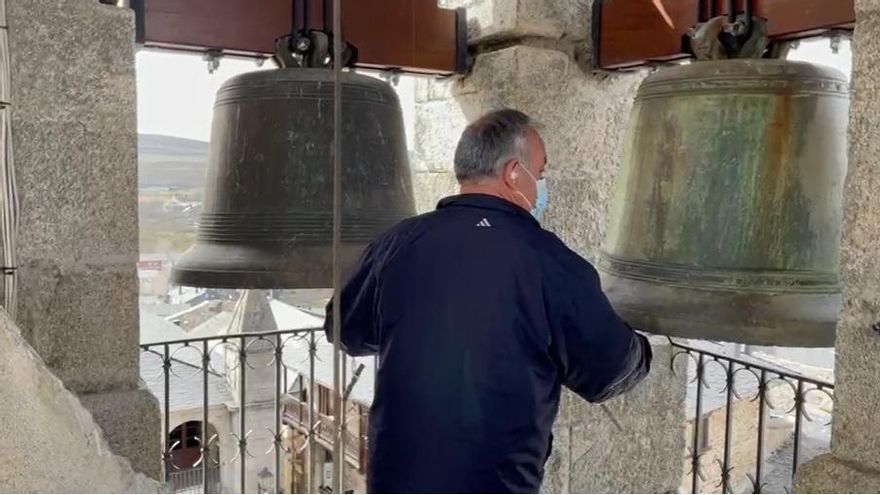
(325,401)
(185,436)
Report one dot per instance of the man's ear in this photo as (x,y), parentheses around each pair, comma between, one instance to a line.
(509,172)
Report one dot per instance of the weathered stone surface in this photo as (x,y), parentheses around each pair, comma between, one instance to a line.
(854,466)
(425,89)
(432,152)
(429,188)
(48,440)
(856,436)
(577,211)
(79,320)
(75,139)
(591,455)
(75,130)
(827,474)
(497,20)
(131,424)
(648,455)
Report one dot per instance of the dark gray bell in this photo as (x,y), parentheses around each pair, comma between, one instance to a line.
(268,212)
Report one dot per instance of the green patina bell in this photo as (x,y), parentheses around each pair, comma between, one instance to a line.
(727,216)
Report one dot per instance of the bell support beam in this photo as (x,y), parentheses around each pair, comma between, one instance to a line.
(633,33)
(412,36)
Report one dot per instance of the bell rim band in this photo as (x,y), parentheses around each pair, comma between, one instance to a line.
(716,279)
(304,84)
(292,227)
(768,77)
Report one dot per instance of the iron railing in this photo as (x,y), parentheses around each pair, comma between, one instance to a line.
(763,421)
(296,415)
(191,480)
(257,402)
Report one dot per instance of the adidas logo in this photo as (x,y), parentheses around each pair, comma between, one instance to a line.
(484,223)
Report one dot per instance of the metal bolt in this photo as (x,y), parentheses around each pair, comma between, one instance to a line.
(303,44)
(835,44)
(213,59)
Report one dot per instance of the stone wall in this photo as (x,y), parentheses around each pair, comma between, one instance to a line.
(854,464)
(75,138)
(529,56)
(48,441)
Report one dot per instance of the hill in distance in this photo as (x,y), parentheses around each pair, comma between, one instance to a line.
(171,162)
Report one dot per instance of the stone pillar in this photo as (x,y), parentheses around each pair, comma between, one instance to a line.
(530,54)
(854,463)
(75,137)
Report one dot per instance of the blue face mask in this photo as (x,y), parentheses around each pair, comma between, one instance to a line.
(543,197)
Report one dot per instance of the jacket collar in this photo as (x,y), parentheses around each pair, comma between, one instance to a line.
(486,202)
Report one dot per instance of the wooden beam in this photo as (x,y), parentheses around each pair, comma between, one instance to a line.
(410,35)
(635,32)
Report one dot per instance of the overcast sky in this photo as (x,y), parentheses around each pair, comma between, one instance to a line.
(176,92)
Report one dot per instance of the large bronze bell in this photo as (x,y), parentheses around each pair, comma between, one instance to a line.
(727,216)
(268,210)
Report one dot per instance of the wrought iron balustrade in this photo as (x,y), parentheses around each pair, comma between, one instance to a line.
(764,421)
(250,404)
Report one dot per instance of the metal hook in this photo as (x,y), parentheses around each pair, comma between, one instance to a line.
(212,57)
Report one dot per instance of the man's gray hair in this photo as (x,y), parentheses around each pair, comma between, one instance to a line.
(490,142)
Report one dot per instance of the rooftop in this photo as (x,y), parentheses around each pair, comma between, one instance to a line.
(186,378)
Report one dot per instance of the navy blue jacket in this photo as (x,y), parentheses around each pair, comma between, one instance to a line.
(478,316)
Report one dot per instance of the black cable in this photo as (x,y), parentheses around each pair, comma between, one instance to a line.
(749,9)
(299,15)
(731,11)
(306,7)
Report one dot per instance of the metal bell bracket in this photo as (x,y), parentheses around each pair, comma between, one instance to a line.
(309,48)
(728,36)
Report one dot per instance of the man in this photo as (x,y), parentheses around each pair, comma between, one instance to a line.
(479,316)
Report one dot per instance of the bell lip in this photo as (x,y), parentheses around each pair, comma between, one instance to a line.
(786,320)
(818,335)
(214,265)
